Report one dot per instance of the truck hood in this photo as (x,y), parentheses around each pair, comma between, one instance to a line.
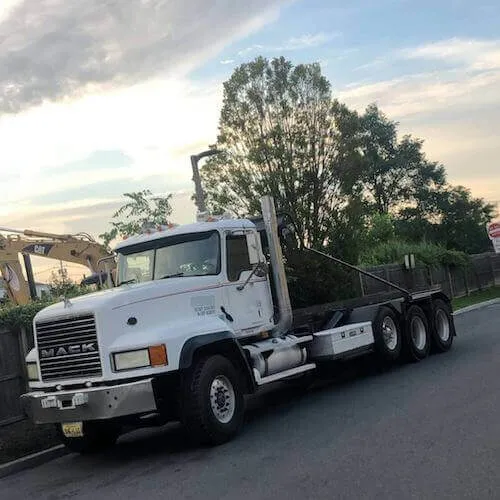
(126,295)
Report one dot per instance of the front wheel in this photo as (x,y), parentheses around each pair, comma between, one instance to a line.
(96,437)
(212,405)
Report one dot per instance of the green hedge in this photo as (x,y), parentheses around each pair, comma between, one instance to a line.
(13,317)
(393,252)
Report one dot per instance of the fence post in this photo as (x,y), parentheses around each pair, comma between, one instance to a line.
(492,267)
(23,351)
(467,291)
(450,281)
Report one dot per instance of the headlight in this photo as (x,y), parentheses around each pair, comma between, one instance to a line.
(131,359)
(32,369)
(140,358)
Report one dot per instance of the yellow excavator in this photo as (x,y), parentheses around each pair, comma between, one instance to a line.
(80,249)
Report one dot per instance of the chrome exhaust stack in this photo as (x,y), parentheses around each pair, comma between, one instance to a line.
(283,298)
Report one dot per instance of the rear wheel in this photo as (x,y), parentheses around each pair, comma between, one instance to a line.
(442,326)
(97,436)
(417,334)
(387,334)
(212,401)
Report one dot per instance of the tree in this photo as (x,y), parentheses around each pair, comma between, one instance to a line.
(463,220)
(450,217)
(61,285)
(141,210)
(381,230)
(395,174)
(282,134)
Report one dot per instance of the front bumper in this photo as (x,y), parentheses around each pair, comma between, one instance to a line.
(95,403)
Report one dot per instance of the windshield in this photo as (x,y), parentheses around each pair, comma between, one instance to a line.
(185,255)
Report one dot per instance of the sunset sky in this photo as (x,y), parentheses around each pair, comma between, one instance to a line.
(103,97)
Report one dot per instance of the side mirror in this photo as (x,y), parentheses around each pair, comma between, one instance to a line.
(253,248)
(260,270)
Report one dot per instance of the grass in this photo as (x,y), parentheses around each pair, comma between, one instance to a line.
(476,297)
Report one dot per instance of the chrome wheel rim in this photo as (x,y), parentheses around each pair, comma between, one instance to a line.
(389,333)
(222,399)
(442,325)
(418,333)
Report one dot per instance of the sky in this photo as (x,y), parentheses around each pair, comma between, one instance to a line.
(102,97)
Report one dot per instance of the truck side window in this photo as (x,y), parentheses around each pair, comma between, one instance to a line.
(237,257)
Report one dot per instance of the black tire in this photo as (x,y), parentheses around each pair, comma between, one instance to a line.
(207,401)
(97,436)
(417,335)
(387,334)
(441,322)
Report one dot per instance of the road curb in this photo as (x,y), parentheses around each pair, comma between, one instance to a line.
(479,305)
(32,460)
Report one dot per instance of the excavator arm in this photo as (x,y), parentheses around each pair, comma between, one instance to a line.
(17,287)
(79,249)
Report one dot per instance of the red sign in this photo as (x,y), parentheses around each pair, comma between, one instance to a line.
(494,230)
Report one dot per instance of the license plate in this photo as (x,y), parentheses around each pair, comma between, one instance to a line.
(73,429)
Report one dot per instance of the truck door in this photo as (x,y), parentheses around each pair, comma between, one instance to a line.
(250,304)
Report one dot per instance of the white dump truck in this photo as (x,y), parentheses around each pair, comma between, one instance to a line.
(200,317)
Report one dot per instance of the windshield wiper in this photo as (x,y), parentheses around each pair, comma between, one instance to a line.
(176,275)
(127,282)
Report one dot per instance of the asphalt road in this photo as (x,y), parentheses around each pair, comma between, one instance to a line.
(426,430)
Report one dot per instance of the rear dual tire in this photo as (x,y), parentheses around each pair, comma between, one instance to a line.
(417,334)
(414,335)
(442,326)
(387,334)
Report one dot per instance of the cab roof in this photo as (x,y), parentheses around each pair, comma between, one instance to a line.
(197,227)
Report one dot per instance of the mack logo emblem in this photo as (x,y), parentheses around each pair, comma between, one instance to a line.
(54,352)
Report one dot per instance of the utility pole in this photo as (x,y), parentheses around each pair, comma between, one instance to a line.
(199,194)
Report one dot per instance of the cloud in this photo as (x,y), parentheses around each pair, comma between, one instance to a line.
(62,163)
(309,41)
(303,42)
(253,48)
(87,214)
(227,61)
(468,76)
(427,92)
(452,104)
(54,49)
(472,53)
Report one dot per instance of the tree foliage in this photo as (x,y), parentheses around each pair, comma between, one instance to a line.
(430,254)
(452,218)
(141,209)
(282,134)
(14,316)
(395,173)
(61,285)
(332,169)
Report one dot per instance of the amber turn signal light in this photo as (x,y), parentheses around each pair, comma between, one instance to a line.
(158,355)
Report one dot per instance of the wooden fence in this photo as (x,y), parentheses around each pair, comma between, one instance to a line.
(13,378)
(483,272)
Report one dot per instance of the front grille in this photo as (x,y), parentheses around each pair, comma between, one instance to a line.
(68,348)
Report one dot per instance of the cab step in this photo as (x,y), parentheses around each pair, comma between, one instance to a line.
(282,375)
